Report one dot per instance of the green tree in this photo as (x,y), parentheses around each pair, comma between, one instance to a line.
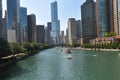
(16,48)
(4,48)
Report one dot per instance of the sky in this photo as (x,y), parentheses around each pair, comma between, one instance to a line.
(41,8)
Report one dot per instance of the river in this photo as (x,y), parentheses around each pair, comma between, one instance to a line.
(52,64)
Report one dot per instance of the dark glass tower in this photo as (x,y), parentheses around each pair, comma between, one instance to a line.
(31,21)
(88,15)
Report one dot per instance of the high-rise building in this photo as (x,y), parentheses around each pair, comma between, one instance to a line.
(104,16)
(72,35)
(78,30)
(62,38)
(4,28)
(13,18)
(55,33)
(40,34)
(31,21)
(108,16)
(46,35)
(23,24)
(49,28)
(66,37)
(88,16)
(1,26)
(114,17)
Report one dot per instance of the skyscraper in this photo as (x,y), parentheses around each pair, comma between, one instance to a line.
(1,18)
(13,18)
(66,37)
(72,35)
(55,33)
(40,34)
(108,16)
(88,21)
(23,24)
(78,30)
(49,28)
(31,21)
(62,38)
(4,28)
(104,17)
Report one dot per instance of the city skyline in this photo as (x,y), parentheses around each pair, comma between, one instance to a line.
(43,15)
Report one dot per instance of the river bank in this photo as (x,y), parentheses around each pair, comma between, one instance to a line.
(6,62)
(93,49)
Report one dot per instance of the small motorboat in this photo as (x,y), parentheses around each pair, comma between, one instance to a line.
(118,54)
(61,49)
(69,56)
(95,55)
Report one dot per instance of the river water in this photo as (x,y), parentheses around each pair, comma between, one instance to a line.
(52,64)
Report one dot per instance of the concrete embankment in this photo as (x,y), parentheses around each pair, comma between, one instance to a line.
(93,49)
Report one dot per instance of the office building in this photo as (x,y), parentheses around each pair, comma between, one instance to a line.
(31,21)
(66,37)
(13,22)
(55,33)
(40,34)
(88,15)
(62,38)
(4,27)
(78,30)
(72,35)
(23,24)
(49,28)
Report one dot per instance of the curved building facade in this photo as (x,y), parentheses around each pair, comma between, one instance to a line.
(55,33)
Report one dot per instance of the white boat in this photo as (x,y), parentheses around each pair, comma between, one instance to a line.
(118,54)
(95,55)
(69,56)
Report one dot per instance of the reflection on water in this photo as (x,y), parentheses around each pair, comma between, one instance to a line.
(52,64)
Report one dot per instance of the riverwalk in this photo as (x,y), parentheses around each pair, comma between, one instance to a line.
(91,49)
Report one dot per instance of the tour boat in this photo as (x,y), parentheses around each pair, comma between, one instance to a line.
(68,51)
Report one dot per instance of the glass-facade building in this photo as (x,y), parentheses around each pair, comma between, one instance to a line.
(13,17)
(55,33)
(23,24)
(104,25)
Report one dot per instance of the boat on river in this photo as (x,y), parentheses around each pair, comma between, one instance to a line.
(68,51)
(61,49)
(69,56)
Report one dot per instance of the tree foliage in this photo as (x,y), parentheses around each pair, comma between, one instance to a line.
(109,34)
(4,48)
